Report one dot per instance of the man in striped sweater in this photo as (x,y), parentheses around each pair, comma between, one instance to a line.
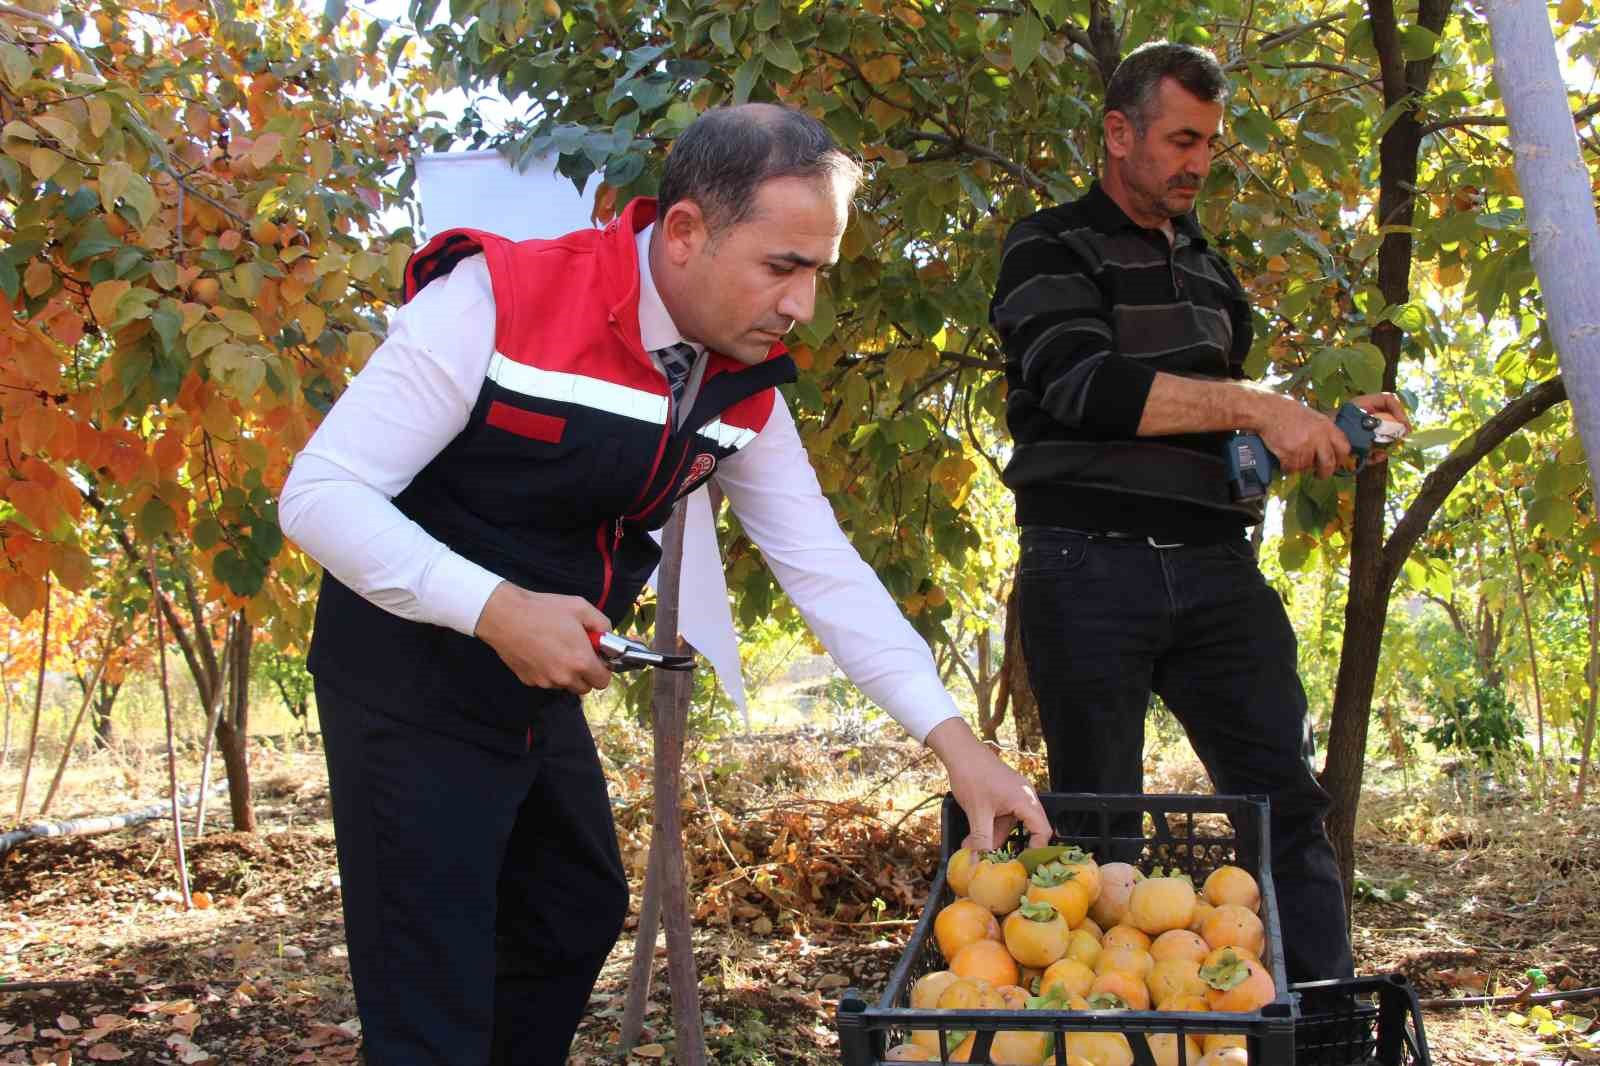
(1125,336)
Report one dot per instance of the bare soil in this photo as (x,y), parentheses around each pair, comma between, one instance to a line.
(810,859)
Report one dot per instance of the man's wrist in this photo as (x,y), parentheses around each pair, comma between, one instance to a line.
(950,738)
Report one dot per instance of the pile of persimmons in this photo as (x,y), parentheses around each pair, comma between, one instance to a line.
(1061,932)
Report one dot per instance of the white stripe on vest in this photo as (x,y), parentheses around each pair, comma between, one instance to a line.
(600,395)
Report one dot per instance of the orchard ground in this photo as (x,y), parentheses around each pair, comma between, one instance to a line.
(811,854)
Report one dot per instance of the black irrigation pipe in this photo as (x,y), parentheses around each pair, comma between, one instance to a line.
(105,823)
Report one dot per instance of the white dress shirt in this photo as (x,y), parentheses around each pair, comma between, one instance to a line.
(416,394)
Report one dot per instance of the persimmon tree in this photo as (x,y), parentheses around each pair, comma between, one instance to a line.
(192,268)
(1366,195)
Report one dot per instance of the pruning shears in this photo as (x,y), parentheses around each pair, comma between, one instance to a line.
(624,653)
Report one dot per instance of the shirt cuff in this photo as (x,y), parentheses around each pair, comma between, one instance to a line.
(455,590)
(1117,393)
(919,704)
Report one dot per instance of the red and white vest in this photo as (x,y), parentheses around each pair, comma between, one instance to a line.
(569,457)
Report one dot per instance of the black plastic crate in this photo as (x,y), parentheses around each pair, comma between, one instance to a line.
(1377,1020)
(1195,834)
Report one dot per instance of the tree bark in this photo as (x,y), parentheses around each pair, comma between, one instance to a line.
(233,728)
(1358,663)
(1367,608)
(1014,685)
(1556,193)
(670,708)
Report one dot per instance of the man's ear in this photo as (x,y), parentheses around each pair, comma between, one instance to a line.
(683,231)
(1119,134)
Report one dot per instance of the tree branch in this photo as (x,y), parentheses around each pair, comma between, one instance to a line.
(1442,479)
(1578,119)
(1281,38)
(961,144)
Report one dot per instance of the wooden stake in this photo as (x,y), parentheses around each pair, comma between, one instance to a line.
(72,734)
(211,730)
(644,950)
(38,701)
(670,709)
(172,752)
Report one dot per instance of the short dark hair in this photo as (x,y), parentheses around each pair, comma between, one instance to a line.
(1133,86)
(725,155)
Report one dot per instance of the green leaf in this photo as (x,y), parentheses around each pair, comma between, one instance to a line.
(1026,36)
(767,15)
(207,534)
(1418,42)
(1432,438)
(744,79)
(1411,317)
(15,63)
(155,518)
(1033,858)
(782,54)
(92,239)
(1255,131)
(722,35)
(10,280)
(333,13)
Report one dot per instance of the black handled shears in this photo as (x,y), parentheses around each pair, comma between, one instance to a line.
(624,653)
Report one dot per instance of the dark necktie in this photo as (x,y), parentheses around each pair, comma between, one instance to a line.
(677,360)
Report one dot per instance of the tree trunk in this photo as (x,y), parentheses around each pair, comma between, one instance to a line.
(233,728)
(1558,199)
(670,706)
(1014,685)
(1367,609)
(105,698)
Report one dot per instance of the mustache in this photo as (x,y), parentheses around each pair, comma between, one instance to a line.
(1184,183)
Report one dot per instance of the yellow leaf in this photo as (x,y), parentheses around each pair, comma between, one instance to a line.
(882,70)
(650,1051)
(883,114)
(240,323)
(99,115)
(874,7)
(59,128)
(44,162)
(38,278)
(1278,264)
(361,347)
(265,149)
(103,300)
(1570,11)
(321,153)
(114,178)
(19,129)
(312,319)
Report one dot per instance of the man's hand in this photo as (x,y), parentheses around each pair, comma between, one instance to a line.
(1301,438)
(994,796)
(545,638)
(1384,405)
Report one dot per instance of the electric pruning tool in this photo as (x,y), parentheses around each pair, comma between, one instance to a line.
(1251,466)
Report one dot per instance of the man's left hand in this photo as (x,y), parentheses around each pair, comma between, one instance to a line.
(994,796)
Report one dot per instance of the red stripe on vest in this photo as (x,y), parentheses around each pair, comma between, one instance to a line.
(529,424)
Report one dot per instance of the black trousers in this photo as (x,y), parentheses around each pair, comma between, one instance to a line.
(1106,622)
(482,890)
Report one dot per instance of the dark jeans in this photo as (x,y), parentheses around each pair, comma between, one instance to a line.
(1106,622)
(482,891)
